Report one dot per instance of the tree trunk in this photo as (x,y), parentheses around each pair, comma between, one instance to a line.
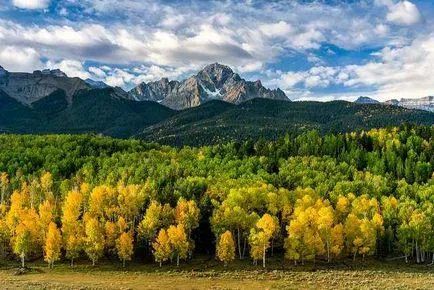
(23,263)
(244,248)
(263,258)
(354,256)
(93,262)
(328,252)
(123,263)
(417,254)
(177,261)
(72,262)
(239,243)
(160,264)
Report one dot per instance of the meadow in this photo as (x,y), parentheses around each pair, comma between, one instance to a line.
(205,273)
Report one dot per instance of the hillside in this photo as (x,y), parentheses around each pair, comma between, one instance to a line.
(92,111)
(217,122)
(108,112)
(99,111)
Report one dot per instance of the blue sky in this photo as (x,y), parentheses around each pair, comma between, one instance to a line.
(312,49)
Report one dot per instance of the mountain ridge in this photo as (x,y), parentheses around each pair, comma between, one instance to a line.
(214,82)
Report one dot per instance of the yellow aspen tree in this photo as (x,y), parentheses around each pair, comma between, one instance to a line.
(94,240)
(258,243)
(4,184)
(156,217)
(53,244)
(352,234)
(130,199)
(187,213)
(293,244)
(337,240)
(269,226)
(125,247)
(47,186)
(122,225)
(162,249)
(226,248)
(72,228)
(46,210)
(178,242)
(25,236)
(325,226)
(111,234)
(21,242)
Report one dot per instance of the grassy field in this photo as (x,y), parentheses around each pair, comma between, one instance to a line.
(208,274)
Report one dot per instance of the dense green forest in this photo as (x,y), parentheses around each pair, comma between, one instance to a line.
(304,197)
(108,112)
(217,122)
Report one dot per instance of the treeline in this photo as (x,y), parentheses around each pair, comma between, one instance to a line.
(309,196)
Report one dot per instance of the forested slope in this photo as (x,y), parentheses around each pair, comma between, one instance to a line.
(216,122)
(304,197)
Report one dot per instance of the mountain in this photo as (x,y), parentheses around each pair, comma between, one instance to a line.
(96,84)
(15,117)
(425,103)
(91,111)
(99,111)
(214,82)
(366,100)
(216,121)
(31,87)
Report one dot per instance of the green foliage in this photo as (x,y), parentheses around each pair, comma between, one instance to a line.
(314,197)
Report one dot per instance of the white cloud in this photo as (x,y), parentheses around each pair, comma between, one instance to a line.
(97,72)
(404,13)
(23,59)
(399,72)
(31,4)
(72,68)
(279,29)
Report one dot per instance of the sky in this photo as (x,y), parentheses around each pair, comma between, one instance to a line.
(311,49)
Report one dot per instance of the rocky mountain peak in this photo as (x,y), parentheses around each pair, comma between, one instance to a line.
(28,88)
(214,82)
(48,72)
(217,69)
(2,71)
(366,100)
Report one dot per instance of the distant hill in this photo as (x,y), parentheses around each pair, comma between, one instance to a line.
(216,121)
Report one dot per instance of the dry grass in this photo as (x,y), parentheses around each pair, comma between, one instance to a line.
(207,274)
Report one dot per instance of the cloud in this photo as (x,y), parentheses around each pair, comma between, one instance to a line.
(404,13)
(126,42)
(72,68)
(23,59)
(398,72)
(31,4)
(279,29)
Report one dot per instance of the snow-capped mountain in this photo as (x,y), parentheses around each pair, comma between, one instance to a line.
(215,81)
(425,103)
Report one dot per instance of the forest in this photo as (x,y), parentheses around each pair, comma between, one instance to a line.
(305,198)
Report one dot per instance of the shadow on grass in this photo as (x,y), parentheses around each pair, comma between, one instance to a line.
(205,264)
